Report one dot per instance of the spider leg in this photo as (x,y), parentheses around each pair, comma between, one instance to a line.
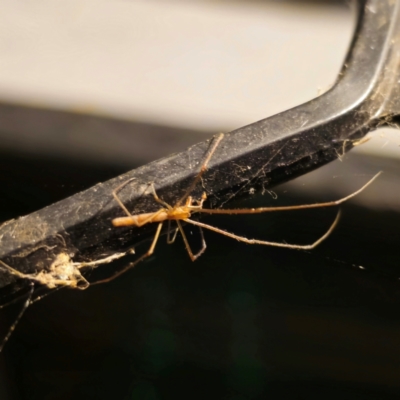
(203,169)
(51,291)
(157,199)
(289,208)
(15,300)
(169,239)
(116,197)
(133,264)
(192,256)
(267,243)
(122,205)
(15,272)
(19,316)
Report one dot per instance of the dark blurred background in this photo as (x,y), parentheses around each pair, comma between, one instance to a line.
(90,90)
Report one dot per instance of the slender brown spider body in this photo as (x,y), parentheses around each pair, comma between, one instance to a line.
(180,212)
(163,214)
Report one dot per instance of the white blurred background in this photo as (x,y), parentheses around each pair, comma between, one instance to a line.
(212,65)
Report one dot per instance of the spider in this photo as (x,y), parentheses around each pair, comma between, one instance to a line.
(186,206)
(65,273)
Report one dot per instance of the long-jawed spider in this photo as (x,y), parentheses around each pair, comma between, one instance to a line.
(187,206)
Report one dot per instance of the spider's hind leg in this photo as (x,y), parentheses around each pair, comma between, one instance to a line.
(19,316)
(169,239)
(118,200)
(192,256)
(157,199)
(148,253)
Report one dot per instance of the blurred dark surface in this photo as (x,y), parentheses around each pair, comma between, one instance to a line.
(242,322)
